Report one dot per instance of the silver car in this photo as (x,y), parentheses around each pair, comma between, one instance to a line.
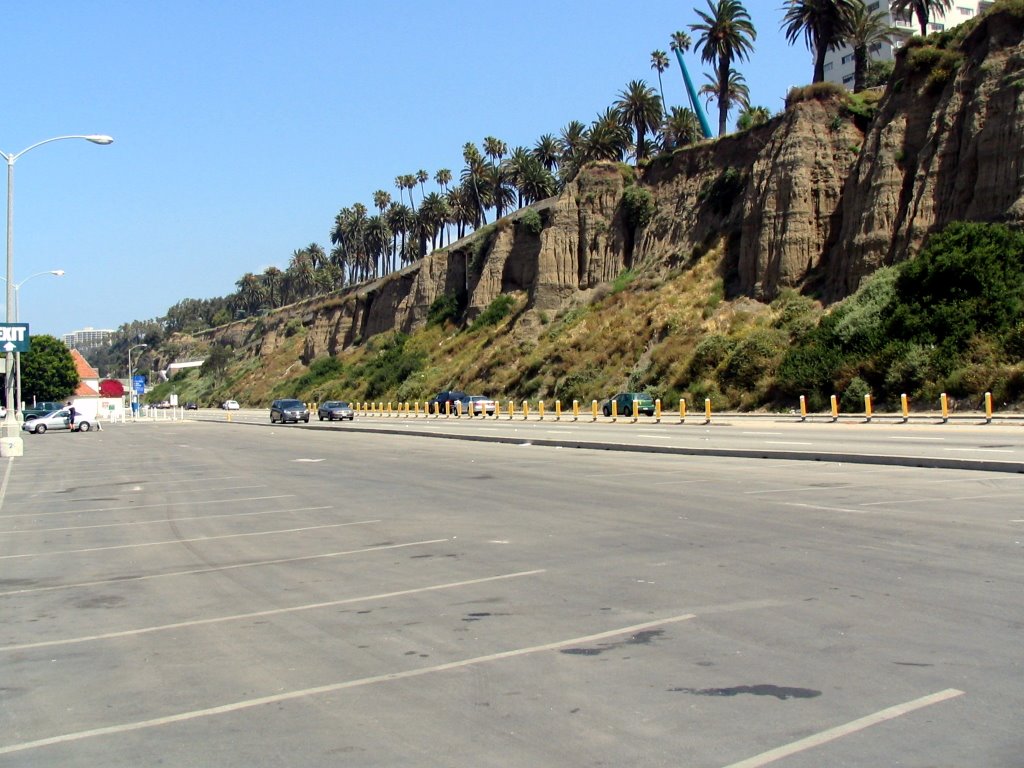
(335,409)
(57,420)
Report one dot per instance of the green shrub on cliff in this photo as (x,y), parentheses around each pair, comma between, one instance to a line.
(638,206)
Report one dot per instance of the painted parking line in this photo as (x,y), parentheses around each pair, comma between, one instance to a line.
(303,693)
(784,442)
(832,734)
(915,439)
(165,520)
(219,568)
(929,500)
(147,506)
(270,612)
(802,488)
(183,541)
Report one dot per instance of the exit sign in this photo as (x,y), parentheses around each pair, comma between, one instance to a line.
(14,337)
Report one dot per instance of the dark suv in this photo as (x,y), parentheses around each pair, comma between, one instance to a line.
(450,396)
(289,410)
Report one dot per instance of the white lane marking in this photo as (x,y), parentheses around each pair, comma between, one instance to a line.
(219,568)
(145,506)
(656,437)
(311,461)
(678,482)
(166,520)
(183,541)
(763,434)
(978,450)
(784,442)
(821,507)
(816,740)
(941,498)
(7,476)
(269,612)
(804,488)
(333,687)
(894,437)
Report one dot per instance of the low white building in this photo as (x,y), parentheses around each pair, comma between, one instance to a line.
(839,63)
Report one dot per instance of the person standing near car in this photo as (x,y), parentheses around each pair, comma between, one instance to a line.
(71,416)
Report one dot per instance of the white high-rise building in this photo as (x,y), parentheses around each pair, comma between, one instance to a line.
(839,63)
(87,337)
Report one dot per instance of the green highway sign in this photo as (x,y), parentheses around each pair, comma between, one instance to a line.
(14,337)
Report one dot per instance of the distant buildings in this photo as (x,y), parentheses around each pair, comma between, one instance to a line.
(839,63)
(87,337)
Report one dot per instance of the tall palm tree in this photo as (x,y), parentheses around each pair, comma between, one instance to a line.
(462,209)
(422,177)
(472,177)
(317,257)
(546,150)
(659,63)
(443,178)
(536,182)
(434,215)
(823,23)
(300,274)
(271,279)
(517,162)
(923,9)
(865,29)
(495,149)
(399,219)
(727,34)
(381,200)
(638,106)
(400,186)
(377,236)
(251,293)
(739,93)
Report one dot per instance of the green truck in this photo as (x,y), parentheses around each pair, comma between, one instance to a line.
(30,412)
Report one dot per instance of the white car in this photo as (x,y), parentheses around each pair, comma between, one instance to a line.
(230,405)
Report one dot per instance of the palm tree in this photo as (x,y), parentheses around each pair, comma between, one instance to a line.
(300,274)
(536,182)
(681,127)
(251,292)
(923,9)
(500,190)
(377,236)
(472,177)
(495,149)
(271,279)
(409,181)
(400,186)
(461,207)
(434,215)
(317,257)
(638,106)
(443,178)
(866,29)
(823,24)
(659,63)
(381,200)
(516,165)
(422,177)
(546,150)
(573,145)
(739,93)
(751,117)
(399,219)
(608,138)
(727,34)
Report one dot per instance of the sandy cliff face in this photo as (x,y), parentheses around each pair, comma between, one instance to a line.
(806,200)
(936,153)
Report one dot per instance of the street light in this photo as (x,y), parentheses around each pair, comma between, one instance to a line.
(11,443)
(131,384)
(17,317)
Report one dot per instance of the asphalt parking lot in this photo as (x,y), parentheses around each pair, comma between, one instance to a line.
(220,594)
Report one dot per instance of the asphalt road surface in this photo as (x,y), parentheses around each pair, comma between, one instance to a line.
(233,594)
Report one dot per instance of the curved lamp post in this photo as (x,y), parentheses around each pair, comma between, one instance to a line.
(131,383)
(17,317)
(11,443)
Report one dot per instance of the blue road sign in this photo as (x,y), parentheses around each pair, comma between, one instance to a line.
(14,337)
(139,384)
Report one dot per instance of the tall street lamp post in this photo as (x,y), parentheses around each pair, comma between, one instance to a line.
(131,382)
(10,434)
(17,318)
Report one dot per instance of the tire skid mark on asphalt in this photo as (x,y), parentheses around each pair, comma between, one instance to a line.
(239,706)
(165,520)
(146,506)
(183,541)
(269,612)
(219,568)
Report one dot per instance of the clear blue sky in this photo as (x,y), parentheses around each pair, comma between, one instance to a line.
(242,128)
